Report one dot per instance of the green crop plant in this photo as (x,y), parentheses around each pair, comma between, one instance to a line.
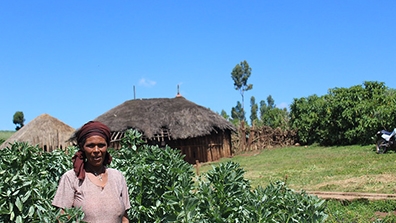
(162,188)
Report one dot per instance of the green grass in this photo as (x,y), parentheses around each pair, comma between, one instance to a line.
(315,168)
(4,135)
(361,211)
(346,169)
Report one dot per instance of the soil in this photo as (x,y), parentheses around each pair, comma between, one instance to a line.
(349,196)
(352,195)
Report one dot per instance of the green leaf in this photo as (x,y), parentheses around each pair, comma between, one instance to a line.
(27,196)
(19,204)
(18,219)
(12,216)
(11,207)
(31,211)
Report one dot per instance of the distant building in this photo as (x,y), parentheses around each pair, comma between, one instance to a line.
(199,133)
(45,131)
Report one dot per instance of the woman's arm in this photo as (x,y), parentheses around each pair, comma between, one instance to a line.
(62,211)
(125,218)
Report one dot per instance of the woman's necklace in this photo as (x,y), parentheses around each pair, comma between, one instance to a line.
(99,174)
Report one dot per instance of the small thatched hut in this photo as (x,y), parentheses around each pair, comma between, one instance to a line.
(198,132)
(45,131)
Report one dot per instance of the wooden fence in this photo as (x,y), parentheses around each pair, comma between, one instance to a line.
(263,137)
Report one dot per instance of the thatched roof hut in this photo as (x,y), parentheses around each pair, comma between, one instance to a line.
(198,132)
(45,131)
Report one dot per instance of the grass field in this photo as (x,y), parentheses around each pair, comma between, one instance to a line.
(4,135)
(346,169)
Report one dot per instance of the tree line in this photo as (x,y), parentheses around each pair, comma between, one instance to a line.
(343,116)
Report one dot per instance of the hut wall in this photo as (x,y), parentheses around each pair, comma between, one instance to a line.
(204,149)
(115,140)
(115,144)
(51,143)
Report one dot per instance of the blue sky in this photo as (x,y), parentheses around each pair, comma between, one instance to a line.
(75,60)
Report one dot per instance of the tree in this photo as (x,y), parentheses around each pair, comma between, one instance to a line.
(270,102)
(240,75)
(237,113)
(265,110)
(344,116)
(253,111)
(18,120)
(225,115)
(273,116)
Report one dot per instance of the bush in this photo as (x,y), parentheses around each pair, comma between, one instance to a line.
(29,178)
(344,116)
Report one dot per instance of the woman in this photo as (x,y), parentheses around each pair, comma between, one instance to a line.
(100,191)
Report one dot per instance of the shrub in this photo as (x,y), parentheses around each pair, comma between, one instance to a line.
(29,178)
(152,175)
(344,116)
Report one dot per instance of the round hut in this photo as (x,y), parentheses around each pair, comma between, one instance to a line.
(199,133)
(45,131)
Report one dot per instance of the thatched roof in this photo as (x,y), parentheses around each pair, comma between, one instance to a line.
(181,118)
(44,130)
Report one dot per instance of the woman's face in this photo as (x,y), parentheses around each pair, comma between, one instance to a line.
(95,148)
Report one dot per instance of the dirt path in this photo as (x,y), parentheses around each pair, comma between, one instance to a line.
(352,195)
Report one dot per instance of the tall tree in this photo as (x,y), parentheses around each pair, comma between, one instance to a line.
(18,120)
(270,102)
(225,115)
(240,75)
(253,111)
(237,113)
(263,111)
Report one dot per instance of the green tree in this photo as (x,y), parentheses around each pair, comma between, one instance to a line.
(18,120)
(272,116)
(240,75)
(237,113)
(270,102)
(305,116)
(253,111)
(265,111)
(344,116)
(225,115)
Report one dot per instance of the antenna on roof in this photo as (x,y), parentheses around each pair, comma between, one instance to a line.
(178,92)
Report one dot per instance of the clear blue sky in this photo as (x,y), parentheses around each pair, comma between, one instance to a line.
(75,60)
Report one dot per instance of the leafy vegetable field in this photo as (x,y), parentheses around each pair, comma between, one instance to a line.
(162,187)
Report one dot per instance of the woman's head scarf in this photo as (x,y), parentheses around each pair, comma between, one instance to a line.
(91,128)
